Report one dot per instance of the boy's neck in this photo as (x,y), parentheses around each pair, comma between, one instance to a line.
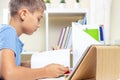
(14,23)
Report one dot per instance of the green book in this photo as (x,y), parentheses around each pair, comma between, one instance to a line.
(93,33)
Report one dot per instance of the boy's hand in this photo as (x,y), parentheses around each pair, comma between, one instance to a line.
(55,70)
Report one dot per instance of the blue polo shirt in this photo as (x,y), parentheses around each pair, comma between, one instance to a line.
(10,40)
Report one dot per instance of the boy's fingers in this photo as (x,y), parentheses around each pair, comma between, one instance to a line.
(64,69)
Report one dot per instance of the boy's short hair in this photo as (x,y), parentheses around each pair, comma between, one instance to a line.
(31,5)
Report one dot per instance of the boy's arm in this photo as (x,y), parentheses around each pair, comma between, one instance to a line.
(12,72)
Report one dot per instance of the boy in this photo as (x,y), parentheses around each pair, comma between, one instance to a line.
(25,18)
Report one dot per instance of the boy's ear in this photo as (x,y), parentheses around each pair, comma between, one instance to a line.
(22,14)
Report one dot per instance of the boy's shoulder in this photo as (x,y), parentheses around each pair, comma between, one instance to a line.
(4,27)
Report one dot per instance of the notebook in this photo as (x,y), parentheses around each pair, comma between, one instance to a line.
(82,39)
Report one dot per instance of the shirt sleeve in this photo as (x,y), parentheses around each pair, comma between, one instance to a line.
(8,39)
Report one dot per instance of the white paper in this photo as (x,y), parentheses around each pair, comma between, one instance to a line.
(81,41)
(57,56)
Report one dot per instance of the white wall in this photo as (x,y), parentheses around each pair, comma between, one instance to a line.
(115,21)
(3,4)
(70,3)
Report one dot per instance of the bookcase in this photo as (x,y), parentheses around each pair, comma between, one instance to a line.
(54,20)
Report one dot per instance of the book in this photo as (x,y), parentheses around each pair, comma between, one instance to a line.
(81,40)
(84,21)
(69,40)
(62,34)
(101,32)
(42,59)
(65,37)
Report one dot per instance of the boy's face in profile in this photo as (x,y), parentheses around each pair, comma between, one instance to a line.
(31,21)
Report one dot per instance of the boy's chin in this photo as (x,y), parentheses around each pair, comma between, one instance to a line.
(30,33)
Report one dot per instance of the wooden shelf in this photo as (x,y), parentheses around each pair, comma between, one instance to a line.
(64,11)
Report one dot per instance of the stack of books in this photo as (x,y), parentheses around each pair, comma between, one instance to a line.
(65,38)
